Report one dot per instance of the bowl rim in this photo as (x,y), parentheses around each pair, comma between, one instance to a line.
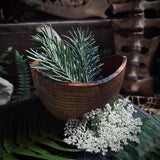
(98,82)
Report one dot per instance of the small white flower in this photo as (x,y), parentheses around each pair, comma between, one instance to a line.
(101,129)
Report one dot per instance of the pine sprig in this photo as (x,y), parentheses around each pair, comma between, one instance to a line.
(82,44)
(64,61)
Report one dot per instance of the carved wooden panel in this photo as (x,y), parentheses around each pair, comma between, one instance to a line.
(138,48)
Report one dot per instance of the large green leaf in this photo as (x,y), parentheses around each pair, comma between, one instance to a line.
(31,133)
(21,134)
(149,146)
(8,134)
(2,150)
(51,143)
(38,152)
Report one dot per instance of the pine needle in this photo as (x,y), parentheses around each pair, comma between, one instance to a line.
(75,59)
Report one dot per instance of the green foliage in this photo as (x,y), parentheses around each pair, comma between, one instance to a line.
(32,132)
(4,61)
(24,89)
(75,60)
(82,45)
(149,146)
(23,73)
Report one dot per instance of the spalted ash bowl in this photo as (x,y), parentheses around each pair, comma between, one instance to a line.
(68,100)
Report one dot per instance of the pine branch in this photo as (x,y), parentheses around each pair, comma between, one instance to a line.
(83,46)
(60,60)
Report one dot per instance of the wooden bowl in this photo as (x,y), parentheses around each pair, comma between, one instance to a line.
(68,100)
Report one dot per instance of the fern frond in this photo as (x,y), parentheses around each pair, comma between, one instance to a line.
(4,61)
(23,73)
(4,55)
(64,61)
(32,132)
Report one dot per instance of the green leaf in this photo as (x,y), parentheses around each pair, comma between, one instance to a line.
(143,144)
(124,155)
(153,124)
(38,150)
(28,152)
(54,145)
(153,153)
(22,129)
(149,146)
(45,153)
(56,138)
(2,151)
(8,134)
(132,152)
(148,129)
(156,117)
(23,133)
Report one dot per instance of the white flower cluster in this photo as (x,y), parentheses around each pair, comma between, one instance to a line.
(103,129)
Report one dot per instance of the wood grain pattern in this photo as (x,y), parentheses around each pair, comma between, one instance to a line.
(66,100)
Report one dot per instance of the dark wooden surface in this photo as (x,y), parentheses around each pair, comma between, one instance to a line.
(18,35)
(28,106)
